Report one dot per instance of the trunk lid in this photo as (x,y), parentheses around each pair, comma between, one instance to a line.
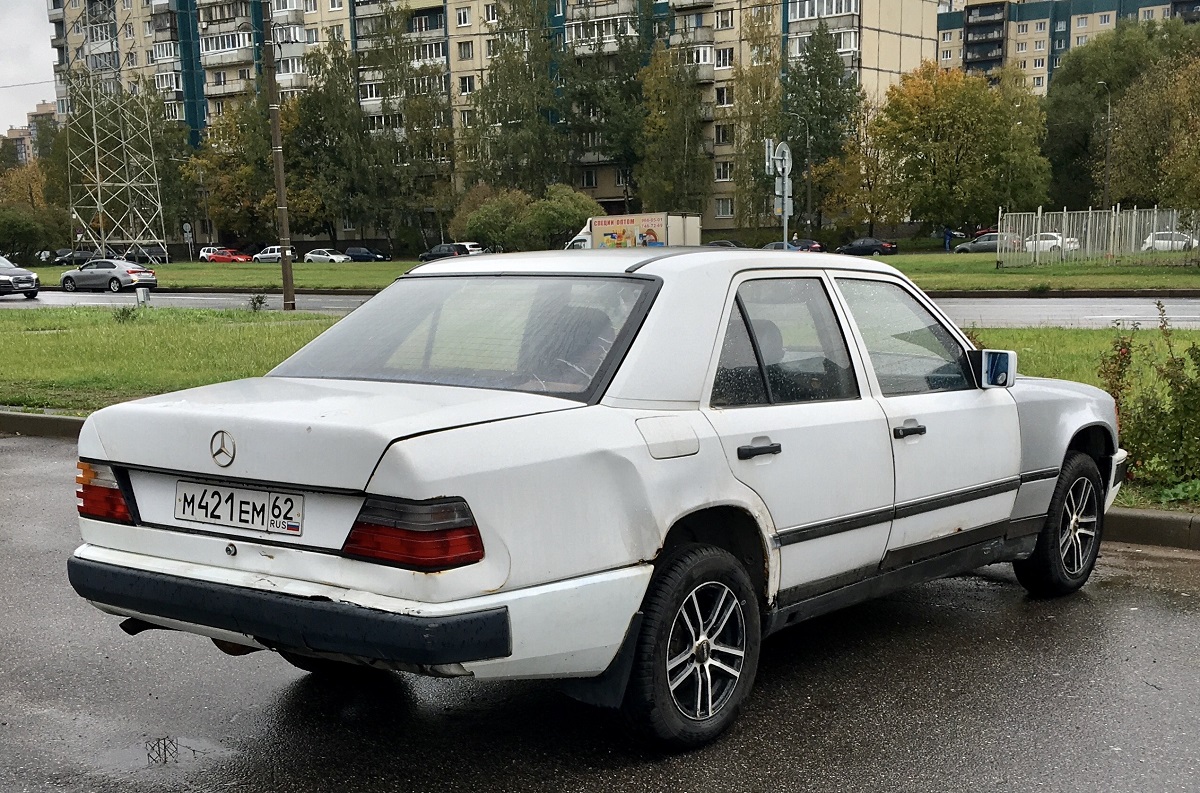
(326,434)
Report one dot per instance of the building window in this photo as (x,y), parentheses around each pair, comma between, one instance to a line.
(947,54)
(489,13)
(1022,28)
(218,78)
(725,96)
(218,107)
(846,40)
(1039,63)
(466,50)
(1039,81)
(466,85)
(224,42)
(1021,46)
(463,16)
(1040,27)
(724,207)
(1057,60)
(290,66)
(724,134)
(725,58)
(1060,26)
(724,171)
(1060,44)
(131,59)
(1022,65)
(128,30)
(467,118)
(489,48)
(311,35)
(335,5)
(588,178)
(125,4)
(1080,41)
(725,19)
(1081,22)
(369,91)
(811,9)
(1106,19)
(147,29)
(310,6)
(336,33)
(1148,13)
(948,36)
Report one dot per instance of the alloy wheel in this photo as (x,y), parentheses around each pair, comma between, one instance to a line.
(1077,532)
(705,650)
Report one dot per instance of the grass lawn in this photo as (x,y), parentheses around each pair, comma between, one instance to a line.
(82,359)
(932,271)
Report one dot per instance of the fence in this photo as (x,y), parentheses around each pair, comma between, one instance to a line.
(1030,238)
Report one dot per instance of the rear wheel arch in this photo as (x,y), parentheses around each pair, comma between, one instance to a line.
(731,528)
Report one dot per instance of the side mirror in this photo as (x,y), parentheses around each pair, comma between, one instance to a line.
(994,368)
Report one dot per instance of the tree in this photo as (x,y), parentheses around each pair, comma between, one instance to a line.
(756,115)
(815,89)
(25,230)
(864,185)
(494,224)
(517,139)
(235,160)
(1077,105)
(674,173)
(512,220)
(964,147)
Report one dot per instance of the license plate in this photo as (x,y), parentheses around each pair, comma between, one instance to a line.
(240,508)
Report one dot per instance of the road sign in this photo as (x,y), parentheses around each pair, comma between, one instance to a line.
(783,186)
(769,151)
(187,227)
(779,207)
(783,160)
(187,237)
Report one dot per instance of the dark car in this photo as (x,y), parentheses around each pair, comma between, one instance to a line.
(70,258)
(869,246)
(726,244)
(989,243)
(147,254)
(365,255)
(796,245)
(15,280)
(444,250)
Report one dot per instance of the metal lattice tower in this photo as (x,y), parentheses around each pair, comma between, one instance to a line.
(114,189)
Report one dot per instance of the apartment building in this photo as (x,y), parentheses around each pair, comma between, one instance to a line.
(202,54)
(24,139)
(1033,35)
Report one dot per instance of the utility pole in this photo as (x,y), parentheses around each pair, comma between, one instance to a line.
(1107,144)
(807,169)
(285,233)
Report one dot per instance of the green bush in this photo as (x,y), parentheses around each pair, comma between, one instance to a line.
(514,221)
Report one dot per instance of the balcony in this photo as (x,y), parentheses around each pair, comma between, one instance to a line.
(602,8)
(681,5)
(210,60)
(704,73)
(292,80)
(692,34)
(288,12)
(707,111)
(54,10)
(988,35)
(985,14)
(984,55)
(227,88)
(709,145)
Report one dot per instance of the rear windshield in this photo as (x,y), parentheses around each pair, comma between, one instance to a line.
(538,334)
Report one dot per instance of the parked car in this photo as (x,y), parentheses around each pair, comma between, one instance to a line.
(273,253)
(444,250)
(326,255)
(474,248)
(69,258)
(147,254)
(465,477)
(991,243)
(725,244)
(207,252)
(808,246)
(111,274)
(366,255)
(869,246)
(227,255)
(1050,241)
(1169,241)
(16,280)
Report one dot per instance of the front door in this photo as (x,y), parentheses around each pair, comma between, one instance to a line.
(957,447)
(800,428)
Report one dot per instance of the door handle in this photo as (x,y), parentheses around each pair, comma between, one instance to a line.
(750,452)
(900,433)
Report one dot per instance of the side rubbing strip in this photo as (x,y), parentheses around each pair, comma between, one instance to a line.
(1037,476)
(959,497)
(835,526)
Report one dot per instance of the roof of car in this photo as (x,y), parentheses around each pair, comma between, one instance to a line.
(664,262)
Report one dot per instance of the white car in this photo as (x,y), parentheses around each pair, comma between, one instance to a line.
(622,472)
(273,254)
(474,248)
(206,253)
(1169,241)
(326,255)
(1050,241)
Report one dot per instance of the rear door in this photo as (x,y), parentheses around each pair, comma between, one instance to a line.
(956,447)
(799,426)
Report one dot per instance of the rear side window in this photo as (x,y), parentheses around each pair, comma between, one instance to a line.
(911,351)
(544,335)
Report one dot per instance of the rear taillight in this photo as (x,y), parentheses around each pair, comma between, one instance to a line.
(99,495)
(425,536)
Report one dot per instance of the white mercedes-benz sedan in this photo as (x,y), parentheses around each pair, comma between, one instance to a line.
(616,469)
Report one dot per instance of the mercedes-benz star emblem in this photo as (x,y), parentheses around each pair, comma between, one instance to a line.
(222,448)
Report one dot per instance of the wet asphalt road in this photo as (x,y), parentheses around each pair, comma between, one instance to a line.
(958,685)
(1075,312)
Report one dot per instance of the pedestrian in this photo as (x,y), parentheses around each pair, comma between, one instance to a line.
(795,238)
(947,236)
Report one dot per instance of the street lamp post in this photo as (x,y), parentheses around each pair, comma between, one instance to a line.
(285,234)
(1107,142)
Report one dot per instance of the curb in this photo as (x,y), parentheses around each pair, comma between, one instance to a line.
(992,294)
(1136,526)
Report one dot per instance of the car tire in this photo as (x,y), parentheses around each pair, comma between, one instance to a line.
(68,284)
(31,295)
(1065,554)
(329,669)
(1055,248)
(114,285)
(876,253)
(708,584)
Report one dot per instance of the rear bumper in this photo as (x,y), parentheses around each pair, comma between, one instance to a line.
(290,622)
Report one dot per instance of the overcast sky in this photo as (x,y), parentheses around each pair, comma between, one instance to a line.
(25,57)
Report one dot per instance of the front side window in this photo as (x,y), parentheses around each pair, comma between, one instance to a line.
(911,351)
(797,350)
(537,334)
